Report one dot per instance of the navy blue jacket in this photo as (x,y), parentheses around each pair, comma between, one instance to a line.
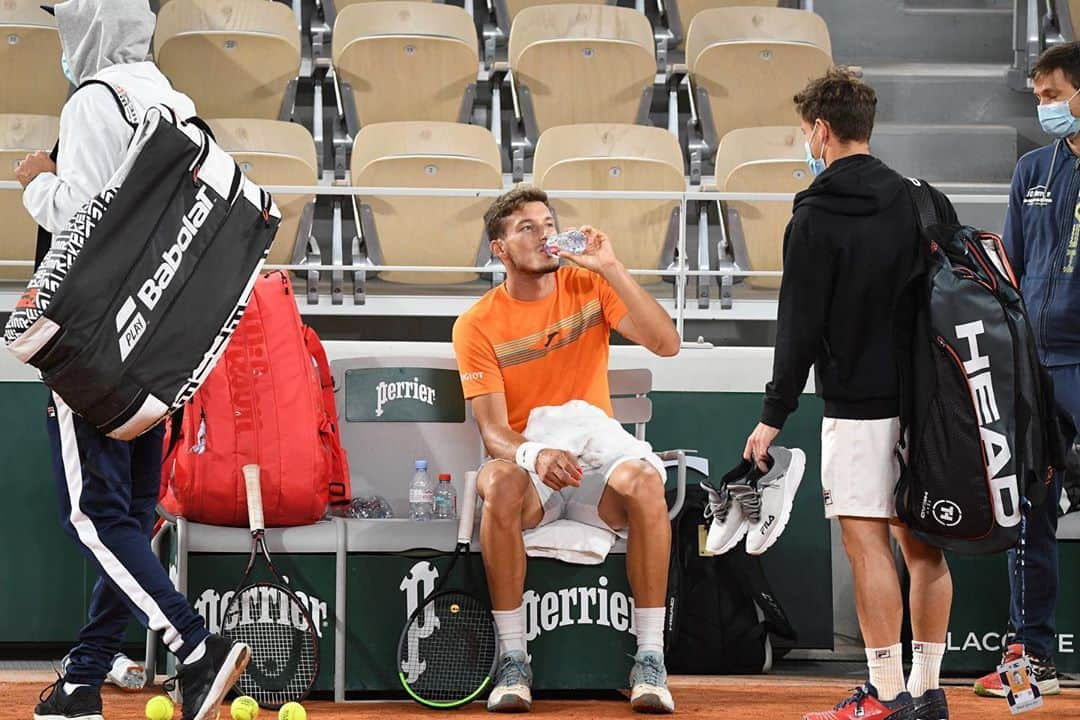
(1038,229)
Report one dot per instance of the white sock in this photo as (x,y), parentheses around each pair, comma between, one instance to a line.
(196,654)
(511,627)
(649,623)
(925,667)
(886,671)
(69,688)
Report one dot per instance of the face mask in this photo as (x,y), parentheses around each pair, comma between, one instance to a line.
(66,69)
(1057,120)
(816,165)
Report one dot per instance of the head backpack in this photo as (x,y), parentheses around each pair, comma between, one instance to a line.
(977,409)
(136,298)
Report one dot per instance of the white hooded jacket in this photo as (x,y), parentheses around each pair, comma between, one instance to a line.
(112,45)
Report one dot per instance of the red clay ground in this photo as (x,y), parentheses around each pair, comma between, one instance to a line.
(777,698)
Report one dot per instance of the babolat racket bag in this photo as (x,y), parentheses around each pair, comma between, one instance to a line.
(136,299)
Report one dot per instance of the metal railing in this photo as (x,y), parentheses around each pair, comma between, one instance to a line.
(680,269)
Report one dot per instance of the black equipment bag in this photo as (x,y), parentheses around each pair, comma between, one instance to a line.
(721,610)
(982,430)
(136,298)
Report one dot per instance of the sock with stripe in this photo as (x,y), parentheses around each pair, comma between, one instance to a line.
(925,667)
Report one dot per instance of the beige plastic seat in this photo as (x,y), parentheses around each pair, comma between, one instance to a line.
(619,158)
(746,64)
(581,64)
(761,159)
(274,152)
(235,58)
(680,13)
(407,60)
(19,135)
(507,10)
(31,80)
(425,230)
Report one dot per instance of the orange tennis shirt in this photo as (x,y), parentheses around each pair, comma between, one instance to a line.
(543,352)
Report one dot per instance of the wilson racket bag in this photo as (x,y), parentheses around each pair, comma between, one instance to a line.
(136,298)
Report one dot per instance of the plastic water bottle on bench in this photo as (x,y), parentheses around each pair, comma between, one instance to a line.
(421,494)
(445,499)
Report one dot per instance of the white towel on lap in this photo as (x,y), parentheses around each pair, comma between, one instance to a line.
(586,431)
(570,541)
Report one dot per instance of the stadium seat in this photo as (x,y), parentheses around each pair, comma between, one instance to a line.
(581,64)
(760,159)
(1068,12)
(407,60)
(30,73)
(507,10)
(644,233)
(19,135)
(425,230)
(680,13)
(746,64)
(273,152)
(235,58)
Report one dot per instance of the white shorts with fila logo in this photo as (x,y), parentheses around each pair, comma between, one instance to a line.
(858,468)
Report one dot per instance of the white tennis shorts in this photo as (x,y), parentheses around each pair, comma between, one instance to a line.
(858,468)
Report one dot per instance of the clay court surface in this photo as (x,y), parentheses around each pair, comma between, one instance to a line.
(773,698)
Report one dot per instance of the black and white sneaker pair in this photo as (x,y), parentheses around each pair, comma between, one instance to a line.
(203,685)
(753,504)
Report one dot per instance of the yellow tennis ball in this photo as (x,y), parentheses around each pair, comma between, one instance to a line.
(159,708)
(292,711)
(244,708)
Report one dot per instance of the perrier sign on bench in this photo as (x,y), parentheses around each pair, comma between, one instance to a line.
(403,394)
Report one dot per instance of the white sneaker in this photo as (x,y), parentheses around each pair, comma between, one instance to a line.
(777,490)
(511,690)
(729,522)
(648,685)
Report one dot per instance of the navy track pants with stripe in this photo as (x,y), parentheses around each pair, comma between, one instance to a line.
(108,490)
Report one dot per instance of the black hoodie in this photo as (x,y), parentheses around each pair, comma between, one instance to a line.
(851,243)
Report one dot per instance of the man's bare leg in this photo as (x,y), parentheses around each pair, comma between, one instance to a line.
(634,499)
(511,505)
(878,600)
(930,599)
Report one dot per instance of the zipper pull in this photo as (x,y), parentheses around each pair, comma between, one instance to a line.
(284,282)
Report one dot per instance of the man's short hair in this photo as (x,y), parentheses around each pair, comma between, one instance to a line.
(507,204)
(842,100)
(1065,57)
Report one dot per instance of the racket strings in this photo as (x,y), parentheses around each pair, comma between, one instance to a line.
(284,648)
(448,649)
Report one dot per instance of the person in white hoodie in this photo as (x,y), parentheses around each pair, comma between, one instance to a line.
(108,489)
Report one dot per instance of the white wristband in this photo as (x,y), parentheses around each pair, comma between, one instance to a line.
(526,455)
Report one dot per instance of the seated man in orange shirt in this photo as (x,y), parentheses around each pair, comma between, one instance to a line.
(541,339)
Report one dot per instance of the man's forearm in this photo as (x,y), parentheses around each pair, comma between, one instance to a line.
(502,443)
(652,320)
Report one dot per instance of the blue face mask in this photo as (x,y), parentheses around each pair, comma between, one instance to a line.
(816,165)
(66,69)
(1057,120)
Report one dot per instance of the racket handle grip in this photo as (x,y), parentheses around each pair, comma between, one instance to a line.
(254,497)
(468,508)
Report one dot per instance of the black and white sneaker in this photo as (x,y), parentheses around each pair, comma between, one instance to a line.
(83,703)
(205,682)
(776,490)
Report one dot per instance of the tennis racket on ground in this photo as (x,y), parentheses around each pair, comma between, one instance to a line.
(272,621)
(447,651)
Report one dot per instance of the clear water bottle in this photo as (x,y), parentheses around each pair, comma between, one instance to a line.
(421,494)
(571,241)
(445,499)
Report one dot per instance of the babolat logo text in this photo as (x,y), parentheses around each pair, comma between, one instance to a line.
(152,290)
(402,390)
(996,445)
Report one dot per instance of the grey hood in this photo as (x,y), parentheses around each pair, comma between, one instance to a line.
(96,34)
